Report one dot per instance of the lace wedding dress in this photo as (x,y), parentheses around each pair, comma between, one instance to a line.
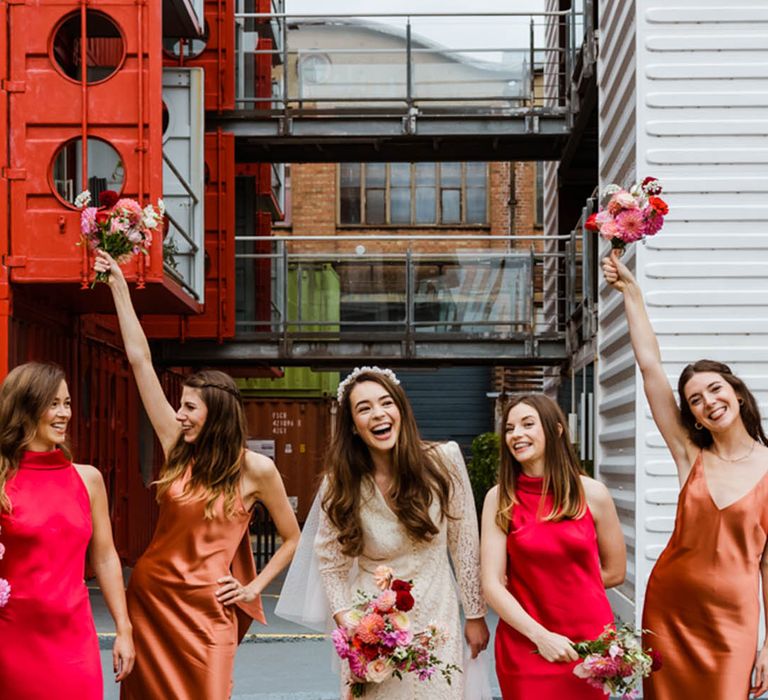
(386,541)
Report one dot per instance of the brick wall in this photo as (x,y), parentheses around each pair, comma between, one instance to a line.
(314,204)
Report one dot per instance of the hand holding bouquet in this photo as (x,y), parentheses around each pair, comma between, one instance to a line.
(629,216)
(119,227)
(377,641)
(615,662)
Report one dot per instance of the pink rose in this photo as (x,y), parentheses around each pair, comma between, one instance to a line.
(386,601)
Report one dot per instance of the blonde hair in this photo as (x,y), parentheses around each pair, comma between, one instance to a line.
(216,456)
(562,469)
(25,395)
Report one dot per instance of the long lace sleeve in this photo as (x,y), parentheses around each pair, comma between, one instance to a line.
(333,564)
(463,538)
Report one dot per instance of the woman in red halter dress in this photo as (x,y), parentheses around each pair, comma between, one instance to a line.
(52,513)
(551,544)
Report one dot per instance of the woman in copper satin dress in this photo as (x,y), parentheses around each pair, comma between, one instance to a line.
(702,600)
(551,544)
(195,590)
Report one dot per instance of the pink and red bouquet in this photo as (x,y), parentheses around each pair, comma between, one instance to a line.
(5,587)
(120,227)
(626,216)
(377,641)
(615,662)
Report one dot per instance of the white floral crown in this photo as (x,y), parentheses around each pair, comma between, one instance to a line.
(356,372)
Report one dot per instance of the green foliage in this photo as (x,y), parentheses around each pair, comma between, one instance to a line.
(483,468)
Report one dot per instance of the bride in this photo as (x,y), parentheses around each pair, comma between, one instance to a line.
(390,498)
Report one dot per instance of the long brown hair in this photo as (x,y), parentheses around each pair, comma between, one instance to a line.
(562,469)
(216,456)
(750,412)
(25,395)
(419,473)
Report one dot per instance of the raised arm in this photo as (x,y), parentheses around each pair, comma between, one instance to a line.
(645,346)
(464,547)
(160,412)
(493,556)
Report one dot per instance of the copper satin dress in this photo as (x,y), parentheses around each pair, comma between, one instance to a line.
(702,601)
(185,639)
(553,570)
(48,643)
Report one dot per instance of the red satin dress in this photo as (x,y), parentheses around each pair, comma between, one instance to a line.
(185,639)
(48,643)
(702,603)
(553,570)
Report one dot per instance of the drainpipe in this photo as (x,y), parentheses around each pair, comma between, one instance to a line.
(84,258)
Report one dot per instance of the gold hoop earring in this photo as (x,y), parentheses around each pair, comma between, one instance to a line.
(698,426)
(741,402)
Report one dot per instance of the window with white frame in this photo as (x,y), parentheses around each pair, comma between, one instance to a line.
(413,194)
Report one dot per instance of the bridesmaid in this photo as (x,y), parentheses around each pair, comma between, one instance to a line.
(194,591)
(702,602)
(551,545)
(52,514)
(389,498)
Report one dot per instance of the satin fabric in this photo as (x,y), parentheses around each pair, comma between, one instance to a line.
(48,643)
(553,570)
(702,600)
(185,639)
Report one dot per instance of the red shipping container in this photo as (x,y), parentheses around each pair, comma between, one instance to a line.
(217,319)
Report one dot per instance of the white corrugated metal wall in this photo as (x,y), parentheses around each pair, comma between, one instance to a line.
(616,388)
(683,92)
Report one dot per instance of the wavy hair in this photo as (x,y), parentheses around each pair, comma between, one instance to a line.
(216,456)
(25,395)
(749,410)
(419,473)
(562,469)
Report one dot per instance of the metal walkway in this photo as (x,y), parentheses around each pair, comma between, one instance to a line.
(403,87)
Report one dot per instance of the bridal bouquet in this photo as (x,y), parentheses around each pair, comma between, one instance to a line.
(119,227)
(377,641)
(626,216)
(615,662)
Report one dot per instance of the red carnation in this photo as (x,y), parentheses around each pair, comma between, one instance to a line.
(399,585)
(591,223)
(404,601)
(102,218)
(369,651)
(659,205)
(656,663)
(108,198)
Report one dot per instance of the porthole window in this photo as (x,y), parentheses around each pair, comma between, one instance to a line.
(105,170)
(166,118)
(189,48)
(104,47)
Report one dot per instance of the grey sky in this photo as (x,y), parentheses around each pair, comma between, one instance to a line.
(502,33)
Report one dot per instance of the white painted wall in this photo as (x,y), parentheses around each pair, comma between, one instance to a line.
(683,96)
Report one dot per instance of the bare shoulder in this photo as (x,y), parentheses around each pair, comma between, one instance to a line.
(89,474)
(492,497)
(92,478)
(596,492)
(259,468)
